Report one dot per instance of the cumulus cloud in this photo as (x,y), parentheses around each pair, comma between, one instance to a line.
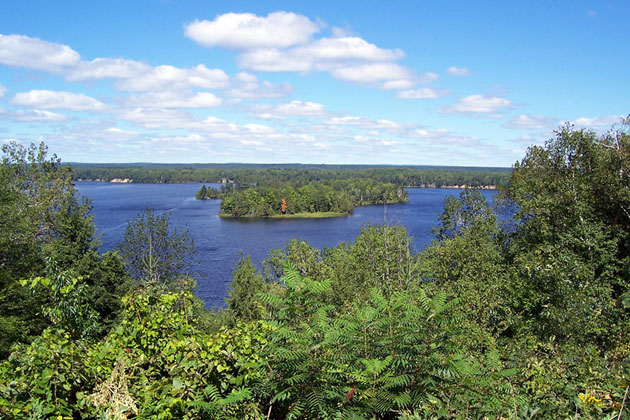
(156,118)
(170,77)
(301,108)
(598,122)
(458,71)
(101,68)
(169,99)
(422,93)
(532,122)
(48,99)
(248,31)
(479,104)
(33,115)
(348,48)
(293,108)
(247,86)
(283,42)
(322,55)
(428,77)
(373,73)
(398,84)
(34,53)
(3,91)
(364,123)
(372,130)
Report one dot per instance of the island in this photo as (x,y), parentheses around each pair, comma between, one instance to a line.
(314,199)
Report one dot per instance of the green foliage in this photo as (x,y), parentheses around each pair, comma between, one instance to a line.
(106,282)
(44,379)
(67,304)
(40,217)
(570,251)
(386,355)
(468,263)
(380,256)
(153,252)
(336,196)
(154,364)
(470,211)
(242,295)
(256,174)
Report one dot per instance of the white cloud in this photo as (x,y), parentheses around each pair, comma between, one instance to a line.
(248,31)
(169,77)
(273,60)
(156,118)
(247,86)
(301,108)
(372,73)
(294,108)
(48,99)
(458,71)
(428,77)
(120,133)
(479,104)
(33,115)
(598,122)
(101,68)
(398,84)
(325,54)
(169,99)
(3,91)
(364,123)
(409,132)
(348,58)
(532,122)
(422,93)
(347,48)
(34,53)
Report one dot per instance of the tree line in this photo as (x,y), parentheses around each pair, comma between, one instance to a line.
(337,197)
(521,310)
(266,174)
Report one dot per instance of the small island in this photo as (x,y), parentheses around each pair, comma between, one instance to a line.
(315,199)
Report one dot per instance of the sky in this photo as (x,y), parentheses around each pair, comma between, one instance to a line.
(336,82)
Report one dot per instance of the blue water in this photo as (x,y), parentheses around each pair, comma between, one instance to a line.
(220,242)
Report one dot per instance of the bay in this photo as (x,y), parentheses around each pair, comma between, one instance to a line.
(221,242)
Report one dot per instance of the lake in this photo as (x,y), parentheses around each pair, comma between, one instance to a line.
(220,242)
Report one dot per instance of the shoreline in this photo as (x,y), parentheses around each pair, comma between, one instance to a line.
(305,215)
(131,181)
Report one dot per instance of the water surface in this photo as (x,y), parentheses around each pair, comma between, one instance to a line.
(220,242)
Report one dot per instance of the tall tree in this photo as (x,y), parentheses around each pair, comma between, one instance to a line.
(153,251)
(571,246)
(41,216)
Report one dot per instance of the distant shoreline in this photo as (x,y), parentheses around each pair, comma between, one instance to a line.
(131,181)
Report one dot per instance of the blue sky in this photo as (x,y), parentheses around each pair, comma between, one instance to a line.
(373,82)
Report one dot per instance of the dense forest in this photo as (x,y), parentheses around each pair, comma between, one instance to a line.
(250,174)
(275,199)
(518,311)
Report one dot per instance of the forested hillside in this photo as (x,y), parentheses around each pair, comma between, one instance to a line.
(519,311)
(251,174)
